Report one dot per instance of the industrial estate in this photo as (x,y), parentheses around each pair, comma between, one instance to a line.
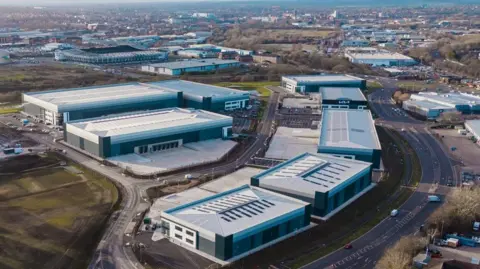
(240,135)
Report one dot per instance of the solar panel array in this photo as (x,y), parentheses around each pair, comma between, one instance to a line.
(235,206)
(314,170)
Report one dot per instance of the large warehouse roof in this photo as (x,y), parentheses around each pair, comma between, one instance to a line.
(165,121)
(448,99)
(309,173)
(474,126)
(426,105)
(193,63)
(96,96)
(194,88)
(348,128)
(342,93)
(380,56)
(236,210)
(313,79)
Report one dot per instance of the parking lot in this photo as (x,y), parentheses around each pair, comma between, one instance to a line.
(297,121)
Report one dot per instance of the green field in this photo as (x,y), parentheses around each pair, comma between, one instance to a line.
(50,217)
(8,110)
(259,86)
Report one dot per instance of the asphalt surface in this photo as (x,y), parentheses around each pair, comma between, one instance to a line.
(111,252)
(436,169)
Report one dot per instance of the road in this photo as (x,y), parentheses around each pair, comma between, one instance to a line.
(111,253)
(436,169)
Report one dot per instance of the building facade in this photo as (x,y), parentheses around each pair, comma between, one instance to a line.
(327,182)
(206,97)
(312,83)
(116,56)
(350,133)
(145,131)
(235,223)
(58,106)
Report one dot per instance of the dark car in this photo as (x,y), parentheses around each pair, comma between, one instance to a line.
(348,246)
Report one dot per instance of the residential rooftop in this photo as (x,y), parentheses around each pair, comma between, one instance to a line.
(348,128)
(167,120)
(309,173)
(64,99)
(193,63)
(194,88)
(342,93)
(323,78)
(236,210)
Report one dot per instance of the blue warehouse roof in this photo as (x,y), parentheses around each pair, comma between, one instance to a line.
(193,63)
(319,79)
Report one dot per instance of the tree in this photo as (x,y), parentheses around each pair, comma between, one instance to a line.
(401,254)
(449,117)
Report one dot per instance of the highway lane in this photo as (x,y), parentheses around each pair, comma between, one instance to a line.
(436,168)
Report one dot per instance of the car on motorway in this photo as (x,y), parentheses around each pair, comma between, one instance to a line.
(434,199)
(348,246)
(449,182)
(394,213)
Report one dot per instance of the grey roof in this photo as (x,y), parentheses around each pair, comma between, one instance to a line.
(342,93)
(309,173)
(167,119)
(194,88)
(193,63)
(234,211)
(448,99)
(312,79)
(426,105)
(348,128)
(473,126)
(96,96)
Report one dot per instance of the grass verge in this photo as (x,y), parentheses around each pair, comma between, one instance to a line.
(373,85)
(259,86)
(8,110)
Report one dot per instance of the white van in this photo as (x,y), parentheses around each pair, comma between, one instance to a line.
(394,213)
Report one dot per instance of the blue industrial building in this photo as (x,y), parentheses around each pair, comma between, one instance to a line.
(341,97)
(428,110)
(350,133)
(327,182)
(145,131)
(305,84)
(235,223)
(190,66)
(380,58)
(461,102)
(204,96)
(58,106)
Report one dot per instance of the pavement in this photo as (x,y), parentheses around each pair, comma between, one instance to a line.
(111,252)
(436,168)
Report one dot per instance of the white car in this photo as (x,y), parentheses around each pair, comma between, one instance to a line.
(394,213)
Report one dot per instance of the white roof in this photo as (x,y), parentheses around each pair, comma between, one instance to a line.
(199,89)
(348,128)
(144,121)
(193,63)
(236,210)
(448,99)
(474,126)
(342,93)
(290,142)
(426,105)
(309,173)
(97,96)
(380,56)
(323,78)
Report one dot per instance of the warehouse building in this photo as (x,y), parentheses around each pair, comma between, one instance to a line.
(188,66)
(110,55)
(327,182)
(380,58)
(145,131)
(350,133)
(473,126)
(342,97)
(462,102)
(207,97)
(235,223)
(305,84)
(59,106)
(427,109)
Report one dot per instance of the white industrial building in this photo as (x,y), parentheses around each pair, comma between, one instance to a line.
(473,126)
(462,102)
(188,66)
(306,84)
(380,58)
